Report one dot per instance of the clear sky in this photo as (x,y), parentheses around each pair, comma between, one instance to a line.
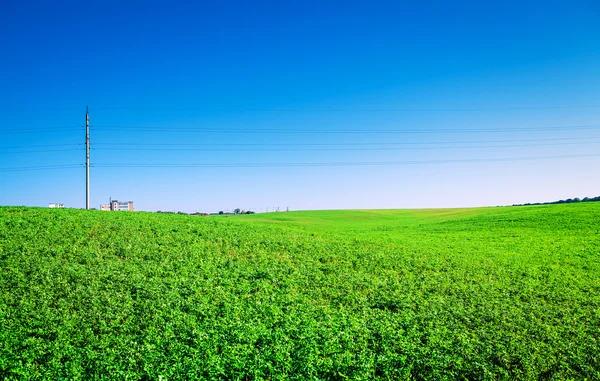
(207,106)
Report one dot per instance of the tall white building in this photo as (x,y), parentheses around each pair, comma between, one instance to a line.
(116,206)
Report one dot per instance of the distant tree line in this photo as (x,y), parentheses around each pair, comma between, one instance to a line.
(567,201)
(238,211)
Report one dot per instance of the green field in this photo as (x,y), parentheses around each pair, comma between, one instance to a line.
(479,294)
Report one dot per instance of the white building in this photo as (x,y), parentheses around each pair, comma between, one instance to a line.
(120,206)
(117,206)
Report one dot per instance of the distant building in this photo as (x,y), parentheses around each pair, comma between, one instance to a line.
(56,205)
(117,206)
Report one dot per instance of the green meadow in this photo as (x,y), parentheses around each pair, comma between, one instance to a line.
(497,293)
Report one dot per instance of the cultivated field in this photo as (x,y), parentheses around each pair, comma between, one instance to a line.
(490,293)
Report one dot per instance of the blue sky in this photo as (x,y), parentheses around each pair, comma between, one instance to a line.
(431,95)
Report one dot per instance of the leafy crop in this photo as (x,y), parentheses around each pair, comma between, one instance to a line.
(483,294)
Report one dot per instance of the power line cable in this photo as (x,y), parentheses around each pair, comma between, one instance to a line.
(99,128)
(39,130)
(339,149)
(377,109)
(339,144)
(316,110)
(42,145)
(38,151)
(334,164)
(41,167)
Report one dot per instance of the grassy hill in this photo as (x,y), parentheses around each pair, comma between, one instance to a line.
(484,293)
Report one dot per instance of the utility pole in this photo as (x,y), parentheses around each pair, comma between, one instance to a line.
(87,158)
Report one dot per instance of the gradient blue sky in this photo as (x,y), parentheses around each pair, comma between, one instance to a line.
(444,79)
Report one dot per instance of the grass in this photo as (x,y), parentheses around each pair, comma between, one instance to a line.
(484,294)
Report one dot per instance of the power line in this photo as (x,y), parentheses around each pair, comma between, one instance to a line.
(40,108)
(325,110)
(344,144)
(338,149)
(317,110)
(38,151)
(336,164)
(43,145)
(100,128)
(41,167)
(39,130)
